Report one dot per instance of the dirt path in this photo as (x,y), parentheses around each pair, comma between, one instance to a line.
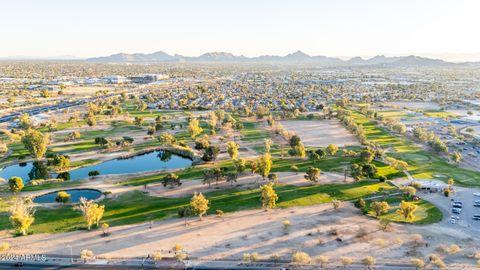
(107,183)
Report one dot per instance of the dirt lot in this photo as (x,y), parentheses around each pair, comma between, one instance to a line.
(316,230)
(321,133)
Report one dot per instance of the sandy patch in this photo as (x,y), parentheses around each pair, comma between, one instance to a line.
(317,230)
(321,133)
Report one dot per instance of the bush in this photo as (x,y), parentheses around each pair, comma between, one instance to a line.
(4,246)
(294,169)
(62,197)
(301,257)
(64,176)
(360,203)
(171,180)
(93,173)
(368,261)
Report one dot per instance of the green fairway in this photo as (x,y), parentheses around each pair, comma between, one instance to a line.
(74,147)
(422,164)
(251,132)
(135,207)
(426,213)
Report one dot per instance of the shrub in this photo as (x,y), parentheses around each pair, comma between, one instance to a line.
(62,197)
(286,225)
(301,257)
(93,173)
(346,261)
(4,246)
(368,261)
(360,203)
(418,263)
(64,176)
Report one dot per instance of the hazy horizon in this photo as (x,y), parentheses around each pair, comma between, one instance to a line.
(348,28)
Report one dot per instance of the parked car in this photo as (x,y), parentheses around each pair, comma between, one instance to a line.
(456,210)
(453,220)
(476,194)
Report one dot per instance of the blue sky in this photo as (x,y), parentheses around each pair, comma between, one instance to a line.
(249,27)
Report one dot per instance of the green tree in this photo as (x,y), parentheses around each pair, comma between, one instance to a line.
(312,174)
(90,119)
(331,149)
(171,180)
(457,157)
(167,139)
(15,183)
(300,150)
(265,165)
(91,211)
(370,170)
(380,207)
(62,197)
(240,165)
(356,171)
(193,128)
(269,196)
(21,215)
(24,121)
(139,120)
(367,155)
(232,149)
(407,210)
(36,143)
(199,204)
(211,153)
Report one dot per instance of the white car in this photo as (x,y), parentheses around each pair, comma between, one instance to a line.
(453,220)
(476,194)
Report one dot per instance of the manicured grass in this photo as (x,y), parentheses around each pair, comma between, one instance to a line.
(422,164)
(82,163)
(279,165)
(251,132)
(426,212)
(135,207)
(76,146)
(18,150)
(115,131)
(64,184)
(440,114)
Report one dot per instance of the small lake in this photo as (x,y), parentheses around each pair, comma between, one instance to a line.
(152,161)
(75,195)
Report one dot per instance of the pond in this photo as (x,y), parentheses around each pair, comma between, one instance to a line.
(156,160)
(75,195)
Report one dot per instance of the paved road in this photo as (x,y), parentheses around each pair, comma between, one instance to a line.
(64,105)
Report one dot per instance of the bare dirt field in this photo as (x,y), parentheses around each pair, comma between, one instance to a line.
(412,105)
(317,230)
(321,133)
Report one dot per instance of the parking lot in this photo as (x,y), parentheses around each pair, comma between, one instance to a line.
(465,221)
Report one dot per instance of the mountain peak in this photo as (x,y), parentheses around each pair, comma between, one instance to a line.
(295,57)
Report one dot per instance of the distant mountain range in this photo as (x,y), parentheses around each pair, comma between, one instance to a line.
(293,58)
